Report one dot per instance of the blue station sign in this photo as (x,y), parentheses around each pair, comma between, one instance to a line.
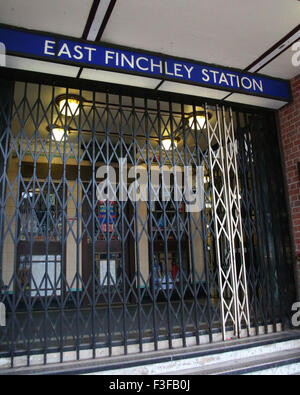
(47,47)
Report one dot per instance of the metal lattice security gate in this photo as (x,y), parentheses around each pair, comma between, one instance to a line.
(228,225)
(78,272)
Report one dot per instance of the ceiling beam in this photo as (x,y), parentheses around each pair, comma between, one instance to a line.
(91,18)
(277,49)
(106,19)
(97,20)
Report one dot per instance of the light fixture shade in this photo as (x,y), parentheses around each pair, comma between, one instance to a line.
(69,107)
(58,134)
(168,143)
(200,119)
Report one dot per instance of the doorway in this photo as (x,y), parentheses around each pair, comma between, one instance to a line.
(108,261)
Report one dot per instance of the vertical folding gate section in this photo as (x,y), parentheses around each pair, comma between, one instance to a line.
(237,237)
(228,222)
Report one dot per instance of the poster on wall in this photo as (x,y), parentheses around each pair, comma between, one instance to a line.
(104,272)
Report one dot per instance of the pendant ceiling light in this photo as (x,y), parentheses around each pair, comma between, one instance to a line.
(69,104)
(200,118)
(58,134)
(169,144)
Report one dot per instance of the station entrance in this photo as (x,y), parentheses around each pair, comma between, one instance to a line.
(81,272)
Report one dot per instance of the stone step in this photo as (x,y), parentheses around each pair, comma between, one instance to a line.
(215,358)
(276,363)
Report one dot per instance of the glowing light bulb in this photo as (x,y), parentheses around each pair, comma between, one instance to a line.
(168,143)
(58,134)
(69,106)
(200,119)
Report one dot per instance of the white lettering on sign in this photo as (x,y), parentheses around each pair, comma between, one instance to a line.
(248,84)
(223,79)
(149,64)
(168,72)
(138,63)
(64,51)
(215,73)
(178,70)
(125,59)
(78,52)
(258,85)
(49,45)
(189,71)
(108,56)
(231,80)
(144,64)
(90,51)
(231,77)
(159,66)
(206,77)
